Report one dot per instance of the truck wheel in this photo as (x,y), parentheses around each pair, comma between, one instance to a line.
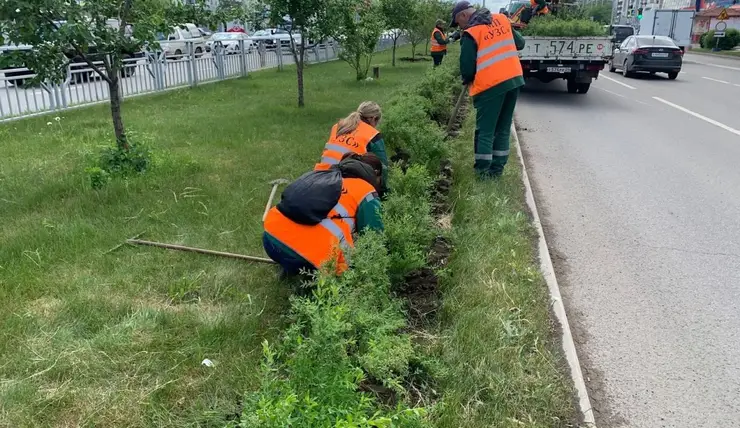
(572,86)
(672,75)
(583,87)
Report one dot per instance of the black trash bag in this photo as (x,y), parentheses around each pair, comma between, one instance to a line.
(310,198)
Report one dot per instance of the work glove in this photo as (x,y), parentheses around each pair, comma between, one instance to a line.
(455,36)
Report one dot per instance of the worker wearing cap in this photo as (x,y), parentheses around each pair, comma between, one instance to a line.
(439,42)
(489,64)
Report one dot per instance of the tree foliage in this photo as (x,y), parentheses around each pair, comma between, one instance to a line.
(398,15)
(100,33)
(308,18)
(360,26)
(230,10)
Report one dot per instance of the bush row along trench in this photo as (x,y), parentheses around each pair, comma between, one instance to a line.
(357,350)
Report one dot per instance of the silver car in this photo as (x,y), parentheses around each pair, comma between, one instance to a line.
(230,42)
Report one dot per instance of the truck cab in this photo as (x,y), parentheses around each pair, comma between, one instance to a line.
(619,33)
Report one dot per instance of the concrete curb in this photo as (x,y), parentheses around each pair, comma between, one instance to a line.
(558,309)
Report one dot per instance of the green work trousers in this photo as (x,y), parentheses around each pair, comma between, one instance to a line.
(492,132)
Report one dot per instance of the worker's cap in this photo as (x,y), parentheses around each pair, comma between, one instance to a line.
(459,7)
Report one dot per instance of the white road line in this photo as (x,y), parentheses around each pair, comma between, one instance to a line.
(613,93)
(698,116)
(618,82)
(716,80)
(713,65)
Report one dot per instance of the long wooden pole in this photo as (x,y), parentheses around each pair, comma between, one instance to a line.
(456,111)
(199,250)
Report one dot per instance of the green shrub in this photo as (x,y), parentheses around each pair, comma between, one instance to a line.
(731,39)
(406,126)
(408,221)
(348,328)
(551,26)
(98,177)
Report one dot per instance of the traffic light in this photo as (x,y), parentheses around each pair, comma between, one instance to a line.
(639,13)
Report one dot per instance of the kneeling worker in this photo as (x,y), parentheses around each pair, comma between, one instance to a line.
(318,213)
(356,133)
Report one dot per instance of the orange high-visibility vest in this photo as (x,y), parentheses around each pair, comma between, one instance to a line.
(353,142)
(498,59)
(544,11)
(330,239)
(436,47)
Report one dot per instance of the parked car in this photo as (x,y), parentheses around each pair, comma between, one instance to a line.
(175,44)
(652,54)
(14,59)
(272,36)
(230,42)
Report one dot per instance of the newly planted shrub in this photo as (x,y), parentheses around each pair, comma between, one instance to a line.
(552,26)
(406,126)
(409,224)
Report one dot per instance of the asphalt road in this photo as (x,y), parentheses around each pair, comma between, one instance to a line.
(639,184)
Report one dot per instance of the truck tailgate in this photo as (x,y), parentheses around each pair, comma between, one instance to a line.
(567,48)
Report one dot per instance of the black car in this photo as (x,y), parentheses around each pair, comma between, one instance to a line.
(652,54)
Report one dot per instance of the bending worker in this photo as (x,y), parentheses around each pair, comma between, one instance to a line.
(539,7)
(318,214)
(439,42)
(356,133)
(489,64)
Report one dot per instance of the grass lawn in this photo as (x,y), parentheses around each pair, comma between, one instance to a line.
(89,338)
(506,368)
(733,53)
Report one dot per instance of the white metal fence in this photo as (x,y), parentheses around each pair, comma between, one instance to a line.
(148,73)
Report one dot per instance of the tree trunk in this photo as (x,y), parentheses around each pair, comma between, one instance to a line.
(299,71)
(393,62)
(115,110)
(413,50)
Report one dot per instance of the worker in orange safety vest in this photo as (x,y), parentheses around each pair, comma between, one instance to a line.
(356,133)
(489,64)
(438,43)
(539,7)
(319,213)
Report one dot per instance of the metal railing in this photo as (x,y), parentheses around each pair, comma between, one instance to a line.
(150,72)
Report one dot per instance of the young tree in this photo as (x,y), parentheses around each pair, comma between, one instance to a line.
(230,10)
(97,31)
(397,15)
(309,20)
(360,26)
(419,29)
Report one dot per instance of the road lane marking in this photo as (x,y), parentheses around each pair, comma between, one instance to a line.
(613,93)
(699,116)
(621,96)
(618,82)
(716,80)
(713,65)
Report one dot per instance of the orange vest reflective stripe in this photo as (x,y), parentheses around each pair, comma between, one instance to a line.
(498,59)
(329,239)
(436,47)
(353,142)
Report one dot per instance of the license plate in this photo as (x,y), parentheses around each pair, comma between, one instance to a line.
(558,69)
(660,55)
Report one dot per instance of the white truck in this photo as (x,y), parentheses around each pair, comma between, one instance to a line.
(676,24)
(578,60)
